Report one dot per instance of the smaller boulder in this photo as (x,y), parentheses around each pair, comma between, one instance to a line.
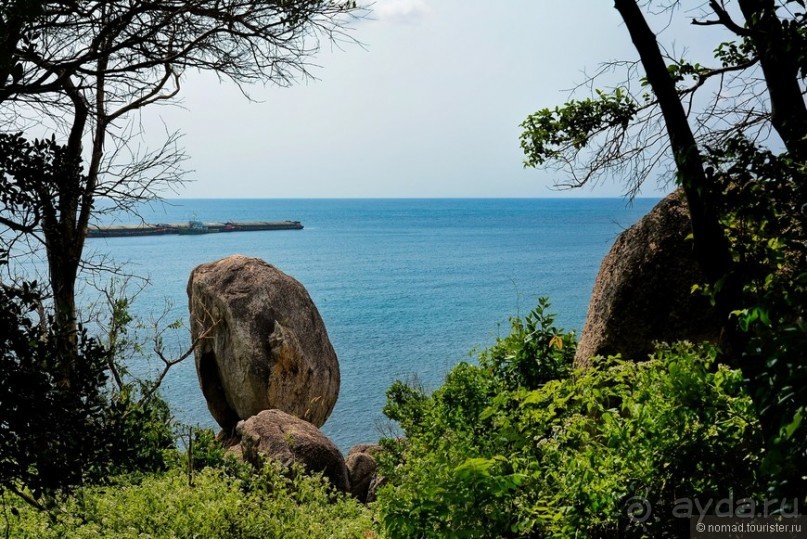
(363,470)
(277,435)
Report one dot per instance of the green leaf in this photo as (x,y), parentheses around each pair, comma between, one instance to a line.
(791,428)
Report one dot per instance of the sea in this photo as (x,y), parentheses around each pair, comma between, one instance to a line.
(407,288)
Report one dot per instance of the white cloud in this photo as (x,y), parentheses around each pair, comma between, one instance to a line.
(401,11)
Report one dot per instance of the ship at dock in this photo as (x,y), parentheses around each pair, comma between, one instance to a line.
(190,228)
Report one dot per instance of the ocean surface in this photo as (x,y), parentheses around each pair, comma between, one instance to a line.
(407,288)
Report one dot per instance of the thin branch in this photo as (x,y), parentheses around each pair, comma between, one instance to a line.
(27,498)
(168,363)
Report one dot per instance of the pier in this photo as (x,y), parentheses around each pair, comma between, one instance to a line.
(189,228)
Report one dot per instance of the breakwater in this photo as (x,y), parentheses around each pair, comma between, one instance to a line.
(189,228)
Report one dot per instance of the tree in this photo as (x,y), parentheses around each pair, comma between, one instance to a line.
(82,69)
(742,190)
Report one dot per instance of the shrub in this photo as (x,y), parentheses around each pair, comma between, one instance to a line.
(533,353)
(568,454)
(267,504)
(63,424)
(138,432)
(52,400)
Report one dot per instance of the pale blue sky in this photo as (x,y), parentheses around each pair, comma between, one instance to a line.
(430,107)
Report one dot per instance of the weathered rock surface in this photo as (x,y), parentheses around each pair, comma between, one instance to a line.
(370,449)
(277,435)
(377,482)
(362,469)
(643,292)
(260,343)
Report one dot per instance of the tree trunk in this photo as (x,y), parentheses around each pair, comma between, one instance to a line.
(710,244)
(712,249)
(63,267)
(64,239)
(780,66)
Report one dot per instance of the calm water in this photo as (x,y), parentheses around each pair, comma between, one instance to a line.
(406,287)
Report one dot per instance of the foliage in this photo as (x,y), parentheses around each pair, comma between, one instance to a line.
(63,423)
(764,216)
(534,352)
(244,505)
(204,450)
(52,433)
(139,432)
(484,458)
(13,14)
(549,133)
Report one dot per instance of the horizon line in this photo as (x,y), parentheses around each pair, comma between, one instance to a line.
(619,197)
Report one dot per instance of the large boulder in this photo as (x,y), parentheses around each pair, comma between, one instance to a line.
(259,343)
(643,292)
(277,435)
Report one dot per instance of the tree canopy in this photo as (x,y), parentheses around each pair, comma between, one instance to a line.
(738,153)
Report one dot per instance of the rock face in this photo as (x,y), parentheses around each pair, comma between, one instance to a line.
(259,343)
(362,469)
(377,482)
(643,293)
(370,449)
(280,436)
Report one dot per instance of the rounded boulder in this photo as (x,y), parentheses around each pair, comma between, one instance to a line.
(259,343)
(643,291)
(362,469)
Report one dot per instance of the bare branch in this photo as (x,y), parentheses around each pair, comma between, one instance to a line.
(723,19)
(168,363)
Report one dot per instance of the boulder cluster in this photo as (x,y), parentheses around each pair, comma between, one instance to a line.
(268,371)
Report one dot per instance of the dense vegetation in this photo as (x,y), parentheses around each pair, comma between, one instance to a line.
(736,141)
(63,422)
(522,445)
(225,501)
(519,445)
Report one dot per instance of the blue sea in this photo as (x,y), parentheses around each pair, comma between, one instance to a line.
(407,288)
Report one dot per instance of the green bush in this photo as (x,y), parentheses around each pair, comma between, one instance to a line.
(568,455)
(138,433)
(533,353)
(53,402)
(765,219)
(261,505)
(64,423)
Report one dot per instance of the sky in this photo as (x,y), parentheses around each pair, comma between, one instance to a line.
(428,106)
